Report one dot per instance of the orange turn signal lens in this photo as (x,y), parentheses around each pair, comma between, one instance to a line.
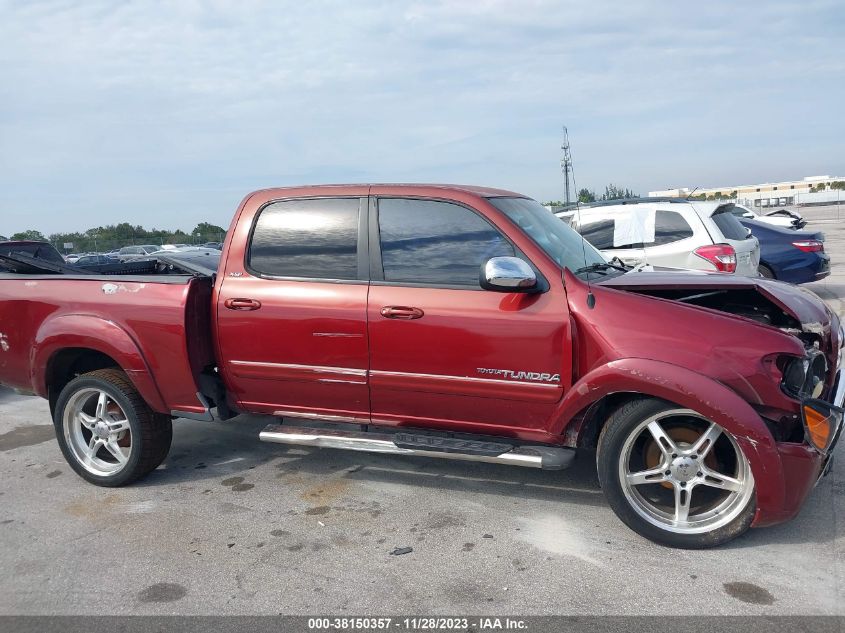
(819,427)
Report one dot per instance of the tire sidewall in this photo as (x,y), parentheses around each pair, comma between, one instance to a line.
(611,442)
(135,455)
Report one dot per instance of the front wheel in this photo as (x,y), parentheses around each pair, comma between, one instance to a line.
(675,477)
(106,431)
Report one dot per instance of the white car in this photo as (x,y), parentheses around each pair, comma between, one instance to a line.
(782,217)
(670,233)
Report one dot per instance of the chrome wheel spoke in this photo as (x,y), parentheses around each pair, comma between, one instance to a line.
(682,503)
(102,403)
(86,420)
(718,480)
(94,445)
(116,426)
(705,443)
(115,450)
(664,442)
(651,476)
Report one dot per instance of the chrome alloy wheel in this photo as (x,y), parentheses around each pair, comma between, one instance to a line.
(97,432)
(684,474)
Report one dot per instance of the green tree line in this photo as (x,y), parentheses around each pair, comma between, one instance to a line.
(112,236)
(836,184)
(611,192)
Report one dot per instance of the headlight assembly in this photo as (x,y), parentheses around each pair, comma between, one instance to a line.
(794,376)
(804,377)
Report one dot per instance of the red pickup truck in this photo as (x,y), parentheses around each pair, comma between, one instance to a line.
(449,321)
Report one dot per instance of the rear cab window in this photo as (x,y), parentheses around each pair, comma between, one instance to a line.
(306,239)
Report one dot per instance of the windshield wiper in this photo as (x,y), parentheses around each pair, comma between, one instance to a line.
(600,267)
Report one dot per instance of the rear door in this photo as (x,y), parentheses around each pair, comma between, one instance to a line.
(291,319)
(444,352)
(727,229)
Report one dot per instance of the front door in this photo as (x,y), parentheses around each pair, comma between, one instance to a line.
(292,322)
(444,352)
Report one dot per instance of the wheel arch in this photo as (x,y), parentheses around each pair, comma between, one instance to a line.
(597,394)
(72,344)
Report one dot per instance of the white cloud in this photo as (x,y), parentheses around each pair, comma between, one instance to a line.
(167,113)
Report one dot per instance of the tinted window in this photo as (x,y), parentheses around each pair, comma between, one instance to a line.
(600,235)
(670,226)
(425,241)
(307,238)
(728,224)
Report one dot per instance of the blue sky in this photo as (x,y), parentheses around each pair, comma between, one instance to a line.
(166,113)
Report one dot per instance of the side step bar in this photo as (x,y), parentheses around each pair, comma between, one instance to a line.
(533,456)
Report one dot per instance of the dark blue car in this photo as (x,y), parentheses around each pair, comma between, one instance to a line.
(794,256)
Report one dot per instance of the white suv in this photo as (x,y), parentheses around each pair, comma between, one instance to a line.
(672,233)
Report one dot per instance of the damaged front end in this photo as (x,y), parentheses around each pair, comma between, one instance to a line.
(791,309)
(814,380)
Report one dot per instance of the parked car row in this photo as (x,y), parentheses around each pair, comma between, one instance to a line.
(128,253)
(782,217)
(206,256)
(789,255)
(698,235)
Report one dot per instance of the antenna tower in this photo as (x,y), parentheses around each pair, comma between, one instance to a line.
(566,165)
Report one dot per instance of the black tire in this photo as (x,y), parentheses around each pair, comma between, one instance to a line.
(151,432)
(622,424)
(766,272)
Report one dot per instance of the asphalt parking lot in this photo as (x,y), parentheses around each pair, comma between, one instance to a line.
(232,525)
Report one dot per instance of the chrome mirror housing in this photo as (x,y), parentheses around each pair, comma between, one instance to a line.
(507,274)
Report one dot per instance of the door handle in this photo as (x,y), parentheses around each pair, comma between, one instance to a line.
(401,312)
(242,304)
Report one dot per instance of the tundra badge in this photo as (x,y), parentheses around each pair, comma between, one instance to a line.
(520,375)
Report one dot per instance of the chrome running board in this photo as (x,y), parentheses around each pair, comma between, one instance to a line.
(422,444)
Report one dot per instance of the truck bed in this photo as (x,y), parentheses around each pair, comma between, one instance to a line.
(158,324)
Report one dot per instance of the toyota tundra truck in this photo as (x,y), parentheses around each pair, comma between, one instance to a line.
(448,321)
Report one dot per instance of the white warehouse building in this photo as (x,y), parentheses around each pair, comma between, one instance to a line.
(809,190)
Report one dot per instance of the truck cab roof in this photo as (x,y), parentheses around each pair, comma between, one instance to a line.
(363,189)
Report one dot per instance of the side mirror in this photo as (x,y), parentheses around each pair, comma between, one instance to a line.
(748,234)
(507,274)
(748,214)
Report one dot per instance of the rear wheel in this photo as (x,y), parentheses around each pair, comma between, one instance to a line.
(675,477)
(766,272)
(106,431)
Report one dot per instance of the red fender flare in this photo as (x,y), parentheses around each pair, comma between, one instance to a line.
(95,333)
(702,394)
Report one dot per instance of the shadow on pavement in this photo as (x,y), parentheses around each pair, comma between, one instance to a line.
(212,450)
(6,394)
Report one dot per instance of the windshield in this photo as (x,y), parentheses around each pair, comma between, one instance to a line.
(550,233)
